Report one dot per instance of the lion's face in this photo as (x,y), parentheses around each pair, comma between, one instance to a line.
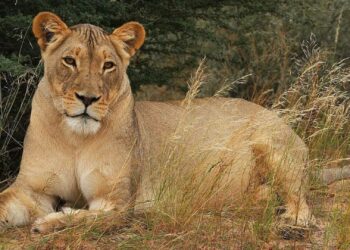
(85,67)
(85,73)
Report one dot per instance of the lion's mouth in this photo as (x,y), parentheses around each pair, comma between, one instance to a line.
(84,116)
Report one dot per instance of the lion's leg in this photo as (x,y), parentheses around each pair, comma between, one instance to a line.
(294,191)
(20,206)
(102,198)
(297,210)
(287,161)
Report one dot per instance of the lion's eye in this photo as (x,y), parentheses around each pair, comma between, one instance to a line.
(69,61)
(108,65)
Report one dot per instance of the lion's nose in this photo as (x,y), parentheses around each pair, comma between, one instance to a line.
(87,100)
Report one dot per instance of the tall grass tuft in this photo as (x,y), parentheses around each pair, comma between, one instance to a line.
(317,103)
(15,99)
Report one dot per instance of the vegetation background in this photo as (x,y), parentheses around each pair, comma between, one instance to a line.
(264,50)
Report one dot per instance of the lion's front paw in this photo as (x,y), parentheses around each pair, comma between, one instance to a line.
(54,221)
(51,222)
(13,213)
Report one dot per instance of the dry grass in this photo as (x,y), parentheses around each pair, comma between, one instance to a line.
(15,99)
(316,105)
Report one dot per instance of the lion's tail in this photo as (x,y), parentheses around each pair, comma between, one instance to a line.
(329,175)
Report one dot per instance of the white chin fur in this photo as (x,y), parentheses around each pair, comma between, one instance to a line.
(83,126)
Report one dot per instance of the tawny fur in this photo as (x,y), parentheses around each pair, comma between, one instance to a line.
(107,162)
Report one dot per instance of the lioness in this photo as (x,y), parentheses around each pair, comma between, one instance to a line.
(88,143)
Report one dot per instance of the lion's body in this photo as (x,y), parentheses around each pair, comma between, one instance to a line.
(89,144)
(218,132)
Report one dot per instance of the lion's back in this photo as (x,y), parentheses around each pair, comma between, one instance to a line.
(207,125)
(158,119)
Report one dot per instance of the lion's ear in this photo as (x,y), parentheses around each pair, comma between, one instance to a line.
(48,28)
(132,35)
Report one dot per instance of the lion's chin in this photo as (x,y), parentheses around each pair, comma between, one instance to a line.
(83,125)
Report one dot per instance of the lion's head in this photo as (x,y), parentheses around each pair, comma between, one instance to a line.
(85,67)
